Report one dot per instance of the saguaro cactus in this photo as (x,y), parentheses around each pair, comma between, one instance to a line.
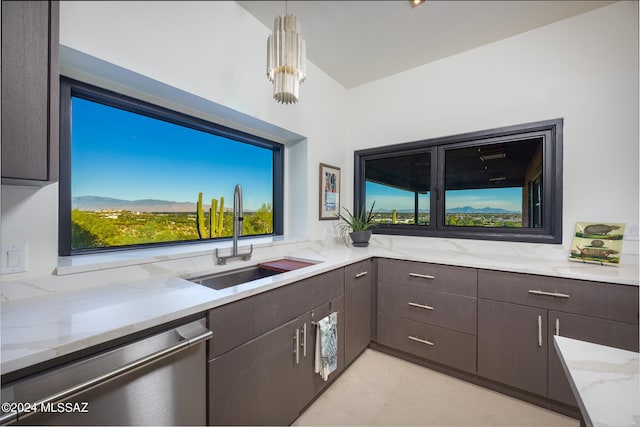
(200,218)
(221,217)
(214,227)
(213,218)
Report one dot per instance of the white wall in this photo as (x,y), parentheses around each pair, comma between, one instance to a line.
(203,58)
(583,69)
(212,54)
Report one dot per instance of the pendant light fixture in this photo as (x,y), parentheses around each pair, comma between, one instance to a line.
(286,58)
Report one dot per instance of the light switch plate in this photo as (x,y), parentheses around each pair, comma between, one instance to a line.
(14,258)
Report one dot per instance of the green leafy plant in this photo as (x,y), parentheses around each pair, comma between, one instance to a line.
(358,221)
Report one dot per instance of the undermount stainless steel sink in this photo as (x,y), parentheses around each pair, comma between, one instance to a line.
(227,279)
(241,275)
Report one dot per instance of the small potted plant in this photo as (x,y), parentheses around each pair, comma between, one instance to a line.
(358,226)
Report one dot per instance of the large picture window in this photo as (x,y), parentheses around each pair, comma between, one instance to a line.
(499,184)
(134,174)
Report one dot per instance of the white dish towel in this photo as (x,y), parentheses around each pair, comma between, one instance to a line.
(326,351)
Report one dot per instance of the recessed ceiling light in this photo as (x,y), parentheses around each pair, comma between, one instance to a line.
(415,3)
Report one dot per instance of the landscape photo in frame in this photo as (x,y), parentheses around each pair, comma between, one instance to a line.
(597,242)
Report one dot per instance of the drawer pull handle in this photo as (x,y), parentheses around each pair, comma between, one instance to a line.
(422,276)
(557,326)
(361,274)
(420,341)
(416,305)
(296,346)
(539,331)
(548,294)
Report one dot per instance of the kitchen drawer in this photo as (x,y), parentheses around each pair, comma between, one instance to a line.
(251,317)
(455,349)
(450,311)
(359,270)
(435,277)
(595,299)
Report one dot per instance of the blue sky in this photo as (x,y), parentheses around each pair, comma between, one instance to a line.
(391,198)
(128,156)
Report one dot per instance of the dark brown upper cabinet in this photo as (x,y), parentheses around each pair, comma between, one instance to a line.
(30,92)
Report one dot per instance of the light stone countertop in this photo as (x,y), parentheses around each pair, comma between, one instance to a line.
(604,381)
(47,317)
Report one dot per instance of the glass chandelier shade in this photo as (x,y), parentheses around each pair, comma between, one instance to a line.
(286,59)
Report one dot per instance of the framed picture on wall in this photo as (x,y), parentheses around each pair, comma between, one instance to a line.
(329,192)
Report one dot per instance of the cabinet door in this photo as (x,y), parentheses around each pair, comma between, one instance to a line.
(308,382)
(591,329)
(254,383)
(357,292)
(512,348)
(29,91)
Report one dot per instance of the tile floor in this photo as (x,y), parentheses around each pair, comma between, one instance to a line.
(378,389)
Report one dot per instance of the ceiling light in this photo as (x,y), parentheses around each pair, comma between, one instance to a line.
(415,3)
(286,59)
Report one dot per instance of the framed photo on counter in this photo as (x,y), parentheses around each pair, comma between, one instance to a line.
(329,192)
(597,242)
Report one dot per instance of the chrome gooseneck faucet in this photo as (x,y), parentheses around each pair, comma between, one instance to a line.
(237,217)
(237,229)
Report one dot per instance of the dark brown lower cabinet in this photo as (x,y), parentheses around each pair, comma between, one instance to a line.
(308,383)
(254,384)
(357,292)
(599,331)
(270,379)
(512,348)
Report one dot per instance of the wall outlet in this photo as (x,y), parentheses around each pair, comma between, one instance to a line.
(631,232)
(14,258)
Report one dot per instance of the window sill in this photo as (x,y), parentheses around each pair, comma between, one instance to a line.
(102,261)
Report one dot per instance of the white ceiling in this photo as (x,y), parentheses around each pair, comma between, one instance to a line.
(356,42)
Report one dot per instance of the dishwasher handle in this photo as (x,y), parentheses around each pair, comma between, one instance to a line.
(109,376)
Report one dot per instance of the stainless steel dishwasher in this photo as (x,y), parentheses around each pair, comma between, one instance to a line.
(157,380)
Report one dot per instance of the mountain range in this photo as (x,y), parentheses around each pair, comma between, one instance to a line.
(485,210)
(96,203)
(464,209)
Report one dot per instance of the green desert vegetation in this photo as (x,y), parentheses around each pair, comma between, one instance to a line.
(113,228)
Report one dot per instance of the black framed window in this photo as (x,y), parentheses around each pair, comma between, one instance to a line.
(133,174)
(498,184)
